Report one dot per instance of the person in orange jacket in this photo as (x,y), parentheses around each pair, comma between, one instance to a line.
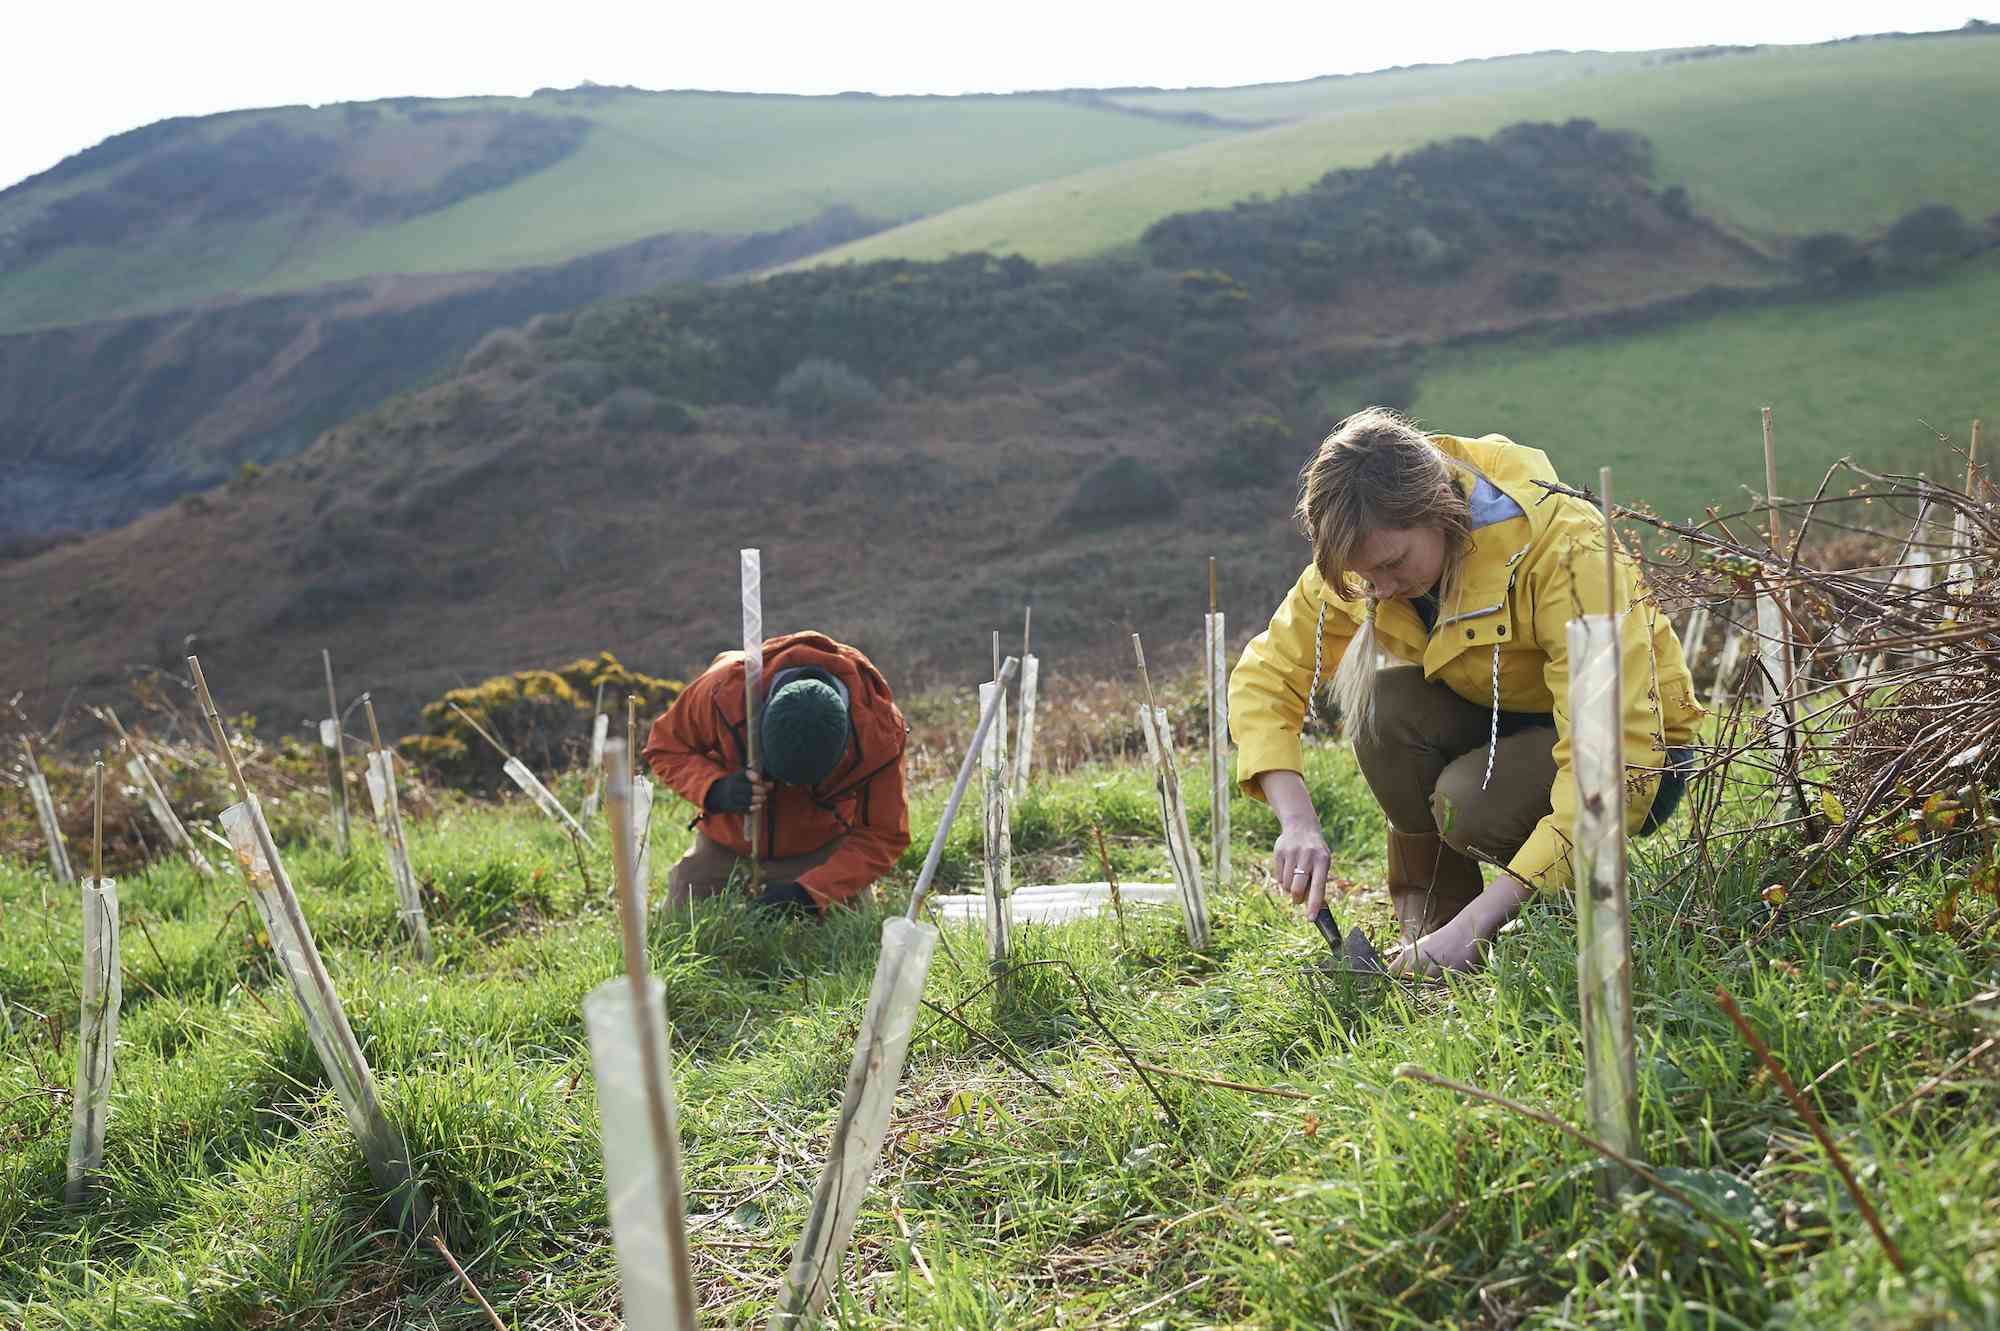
(830,797)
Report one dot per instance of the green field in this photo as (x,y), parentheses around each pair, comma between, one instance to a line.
(1785,141)
(1675,412)
(652,163)
(233,1196)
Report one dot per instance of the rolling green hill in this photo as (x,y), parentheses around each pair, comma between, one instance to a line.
(274,200)
(1675,411)
(1781,141)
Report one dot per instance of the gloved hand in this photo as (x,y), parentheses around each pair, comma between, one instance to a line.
(1455,946)
(739,792)
(787,899)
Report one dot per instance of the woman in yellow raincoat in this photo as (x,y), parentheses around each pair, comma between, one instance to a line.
(1441,555)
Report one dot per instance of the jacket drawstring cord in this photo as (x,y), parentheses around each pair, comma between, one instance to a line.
(1319,643)
(1493,735)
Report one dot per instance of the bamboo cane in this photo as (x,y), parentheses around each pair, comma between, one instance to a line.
(335,745)
(45,813)
(641,1132)
(1604,960)
(1154,725)
(319,1003)
(97,1025)
(156,799)
(753,679)
(389,816)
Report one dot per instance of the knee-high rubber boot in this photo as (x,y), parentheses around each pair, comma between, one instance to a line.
(1429,882)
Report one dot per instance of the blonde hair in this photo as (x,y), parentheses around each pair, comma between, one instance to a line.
(1376,471)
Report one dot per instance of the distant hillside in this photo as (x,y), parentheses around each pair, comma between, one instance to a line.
(919,448)
(293,197)
(1776,142)
(106,421)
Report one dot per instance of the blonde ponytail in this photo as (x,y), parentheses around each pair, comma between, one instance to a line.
(1354,681)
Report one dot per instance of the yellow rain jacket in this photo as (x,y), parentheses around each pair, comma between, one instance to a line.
(1534,564)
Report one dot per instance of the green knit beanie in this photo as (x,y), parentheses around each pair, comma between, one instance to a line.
(805,732)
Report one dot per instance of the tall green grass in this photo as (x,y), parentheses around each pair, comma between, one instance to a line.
(233,1195)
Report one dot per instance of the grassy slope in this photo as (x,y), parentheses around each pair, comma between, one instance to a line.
(1785,141)
(235,1196)
(1676,410)
(654,163)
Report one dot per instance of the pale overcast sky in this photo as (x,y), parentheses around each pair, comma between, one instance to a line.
(79,72)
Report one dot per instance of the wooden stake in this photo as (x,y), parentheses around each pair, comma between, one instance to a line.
(343,836)
(651,1039)
(631,733)
(97,823)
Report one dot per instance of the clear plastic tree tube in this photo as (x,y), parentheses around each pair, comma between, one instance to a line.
(325,1019)
(1024,745)
(45,814)
(1174,825)
(97,1033)
(163,814)
(545,800)
(999,839)
(642,835)
(389,816)
(872,1076)
(1220,784)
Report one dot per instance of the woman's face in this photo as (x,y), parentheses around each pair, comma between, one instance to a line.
(1400,561)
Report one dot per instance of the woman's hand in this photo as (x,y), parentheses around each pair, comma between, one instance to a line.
(1300,857)
(1455,946)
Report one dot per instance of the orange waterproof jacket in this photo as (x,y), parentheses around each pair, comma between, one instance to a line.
(699,740)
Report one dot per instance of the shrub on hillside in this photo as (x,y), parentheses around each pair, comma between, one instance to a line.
(542,716)
(1929,235)
(1252,451)
(819,391)
(1533,288)
(497,348)
(1123,489)
(1674,202)
(641,409)
(1833,259)
(583,382)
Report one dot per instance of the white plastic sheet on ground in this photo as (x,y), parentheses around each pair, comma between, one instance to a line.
(163,814)
(1220,784)
(999,840)
(325,1020)
(1604,946)
(642,835)
(45,813)
(97,1033)
(518,772)
(1024,746)
(389,817)
(632,1169)
(1174,825)
(1056,903)
(599,728)
(864,1121)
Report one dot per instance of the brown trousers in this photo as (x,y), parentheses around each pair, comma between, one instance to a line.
(1425,760)
(705,869)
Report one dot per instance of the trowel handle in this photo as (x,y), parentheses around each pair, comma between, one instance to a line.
(1329,928)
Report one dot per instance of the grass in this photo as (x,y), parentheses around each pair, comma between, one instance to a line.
(234,1197)
(1784,142)
(1842,379)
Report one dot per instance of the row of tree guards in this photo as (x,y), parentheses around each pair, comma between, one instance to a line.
(626,1017)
